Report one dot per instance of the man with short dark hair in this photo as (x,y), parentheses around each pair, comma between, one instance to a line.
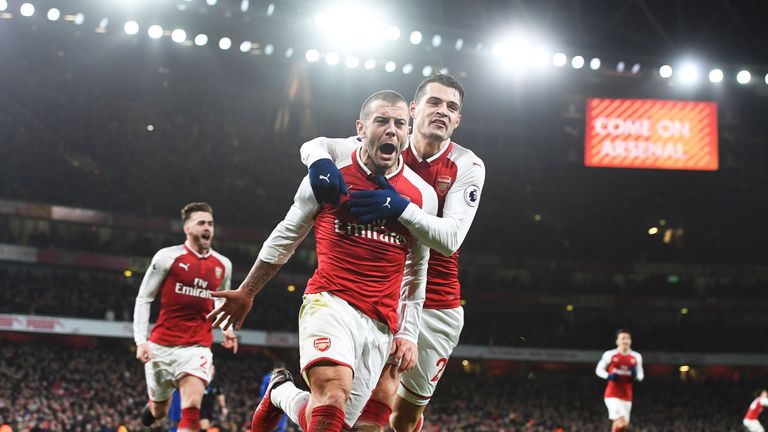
(752,417)
(178,352)
(368,288)
(620,367)
(457,176)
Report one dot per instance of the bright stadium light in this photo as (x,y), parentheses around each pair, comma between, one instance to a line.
(131,27)
(766,78)
(54,14)
(289,52)
(3,5)
(392,33)
(407,69)
(244,5)
(444,71)
(369,64)
(665,71)
(577,62)
(103,23)
(352,62)
(459,44)
(312,55)
(744,77)
(559,60)
(427,71)
(620,67)
(689,74)
(178,35)
(211,2)
(201,39)
(79,18)
(332,58)
(155,31)
(437,40)
(269,49)
(270,9)
(27,9)
(594,64)
(636,68)
(390,66)
(225,43)
(415,37)
(245,46)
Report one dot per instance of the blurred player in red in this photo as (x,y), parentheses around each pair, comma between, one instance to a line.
(178,352)
(751,421)
(457,175)
(368,287)
(621,367)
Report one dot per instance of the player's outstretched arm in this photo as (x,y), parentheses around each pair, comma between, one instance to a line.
(639,373)
(320,156)
(275,252)
(238,303)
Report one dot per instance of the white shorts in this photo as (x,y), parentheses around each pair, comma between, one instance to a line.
(332,330)
(439,332)
(169,364)
(618,408)
(753,425)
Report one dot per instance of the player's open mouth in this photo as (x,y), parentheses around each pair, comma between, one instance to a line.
(439,123)
(387,149)
(206,237)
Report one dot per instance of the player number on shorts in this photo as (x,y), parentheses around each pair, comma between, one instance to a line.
(441,364)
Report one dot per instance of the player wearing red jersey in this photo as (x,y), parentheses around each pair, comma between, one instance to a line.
(621,367)
(178,352)
(457,175)
(369,284)
(751,418)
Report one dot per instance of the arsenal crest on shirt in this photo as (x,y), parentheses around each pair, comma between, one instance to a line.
(219,272)
(322,344)
(443,184)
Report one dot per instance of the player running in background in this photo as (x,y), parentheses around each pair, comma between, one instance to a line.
(457,175)
(621,367)
(178,352)
(751,421)
(350,309)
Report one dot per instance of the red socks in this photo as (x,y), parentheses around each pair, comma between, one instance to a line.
(190,419)
(326,418)
(376,413)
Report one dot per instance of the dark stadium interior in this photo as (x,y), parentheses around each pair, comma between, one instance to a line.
(559,255)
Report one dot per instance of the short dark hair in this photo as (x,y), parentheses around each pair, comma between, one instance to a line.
(444,79)
(389,96)
(758,392)
(187,210)
(623,330)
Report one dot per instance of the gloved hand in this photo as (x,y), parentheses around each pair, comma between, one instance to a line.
(613,376)
(384,203)
(633,371)
(326,181)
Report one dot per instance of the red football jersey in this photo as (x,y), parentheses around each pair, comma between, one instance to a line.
(364,264)
(184,280)
(621,364)
(755,408)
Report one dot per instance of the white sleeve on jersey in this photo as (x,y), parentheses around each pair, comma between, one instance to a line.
(226,285)
(602,365)
(336,149)
(150,286)
(413,290)
(764,401)
(282,243)
(639,373)
(446,234)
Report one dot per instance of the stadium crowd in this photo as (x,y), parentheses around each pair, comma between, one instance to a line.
(100,388)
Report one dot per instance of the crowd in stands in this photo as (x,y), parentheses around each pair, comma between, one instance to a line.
(56,388)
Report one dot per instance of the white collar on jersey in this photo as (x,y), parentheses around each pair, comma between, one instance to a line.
(359,158)
(191,249)
(418,156)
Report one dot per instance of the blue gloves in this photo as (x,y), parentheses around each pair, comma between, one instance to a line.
(384,203)
(326,181)
(634,372)
(613,376)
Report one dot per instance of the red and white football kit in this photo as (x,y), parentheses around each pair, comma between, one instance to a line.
(181,339)
(457,176)
(369,282)
(618,392)
(751,421)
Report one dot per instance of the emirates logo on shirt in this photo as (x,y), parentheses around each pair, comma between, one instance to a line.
(322,344)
